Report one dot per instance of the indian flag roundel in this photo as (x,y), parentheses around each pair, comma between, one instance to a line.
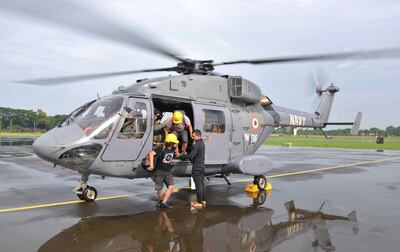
(254,123)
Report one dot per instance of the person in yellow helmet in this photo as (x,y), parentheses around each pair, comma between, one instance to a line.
(179,124)
(160,159)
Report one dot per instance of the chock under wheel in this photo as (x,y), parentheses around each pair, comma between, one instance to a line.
(251,188)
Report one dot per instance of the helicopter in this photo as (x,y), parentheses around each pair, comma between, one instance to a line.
(231,111)
(242,228)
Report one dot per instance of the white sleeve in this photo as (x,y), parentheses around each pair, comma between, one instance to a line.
(168,122)
(187,121)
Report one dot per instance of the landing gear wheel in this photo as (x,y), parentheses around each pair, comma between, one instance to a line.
(89,194)
(261,197)
(260,181)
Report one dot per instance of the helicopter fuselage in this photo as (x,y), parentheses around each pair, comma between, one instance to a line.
(111,135)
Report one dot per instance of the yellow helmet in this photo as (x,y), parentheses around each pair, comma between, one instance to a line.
(177,118)
(171,138)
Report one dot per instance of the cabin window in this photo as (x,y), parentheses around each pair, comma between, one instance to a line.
(214,121)
(135,123)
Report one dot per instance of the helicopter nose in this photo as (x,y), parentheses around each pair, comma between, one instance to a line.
(44,145)
(50,145)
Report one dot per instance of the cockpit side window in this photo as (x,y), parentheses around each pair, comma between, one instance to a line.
(135,123)
(75,113)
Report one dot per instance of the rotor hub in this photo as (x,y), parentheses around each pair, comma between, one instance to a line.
(332,89)
(195,66)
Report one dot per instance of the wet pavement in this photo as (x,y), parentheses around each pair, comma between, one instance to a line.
(322,200)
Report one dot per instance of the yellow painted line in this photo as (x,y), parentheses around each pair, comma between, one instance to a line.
(115,197)
(40,206)
(324,169)
(7,210)
(332,167)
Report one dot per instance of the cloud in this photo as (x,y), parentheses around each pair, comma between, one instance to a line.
(219,30)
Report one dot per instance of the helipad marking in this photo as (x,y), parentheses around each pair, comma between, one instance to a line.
(7,210)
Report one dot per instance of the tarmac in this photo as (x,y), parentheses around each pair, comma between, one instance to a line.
(322,200)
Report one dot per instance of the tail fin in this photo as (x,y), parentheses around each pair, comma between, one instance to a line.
(324,108)
(353,218)
(356,124)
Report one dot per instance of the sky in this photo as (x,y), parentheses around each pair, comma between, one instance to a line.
(218,30)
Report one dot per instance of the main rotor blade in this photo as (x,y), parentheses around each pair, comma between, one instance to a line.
(75,78)
(80,18)
(370,54)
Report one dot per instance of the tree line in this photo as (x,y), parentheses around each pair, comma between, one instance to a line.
(21,120)
(388,131)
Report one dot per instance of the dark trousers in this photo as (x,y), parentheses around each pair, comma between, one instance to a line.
(198,178)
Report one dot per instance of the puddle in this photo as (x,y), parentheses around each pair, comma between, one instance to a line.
(216,228)
(16,146)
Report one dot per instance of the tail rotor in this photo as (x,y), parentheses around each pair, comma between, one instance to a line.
(316,80)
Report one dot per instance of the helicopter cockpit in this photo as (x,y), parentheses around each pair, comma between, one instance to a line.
(112,128)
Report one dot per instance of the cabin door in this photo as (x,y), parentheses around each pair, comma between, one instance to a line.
(132,133)
(215,124)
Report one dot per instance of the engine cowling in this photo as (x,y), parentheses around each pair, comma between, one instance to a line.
(244,90)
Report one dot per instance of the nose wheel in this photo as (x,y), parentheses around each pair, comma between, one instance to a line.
(89,194)
(85,192)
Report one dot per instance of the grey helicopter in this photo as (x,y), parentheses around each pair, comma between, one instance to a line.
(233,113)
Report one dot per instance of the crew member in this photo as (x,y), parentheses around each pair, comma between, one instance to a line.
(157,116)
(162,170)
(197,156)
(179,124)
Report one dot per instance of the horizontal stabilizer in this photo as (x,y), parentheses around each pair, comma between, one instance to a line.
(356,124)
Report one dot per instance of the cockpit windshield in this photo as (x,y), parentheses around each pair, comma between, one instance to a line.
(97,119)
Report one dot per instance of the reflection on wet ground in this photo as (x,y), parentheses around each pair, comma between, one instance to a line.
(16,147)
(351,209)
(217,228)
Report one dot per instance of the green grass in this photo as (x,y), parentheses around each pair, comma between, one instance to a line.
(20,134)
(323,143)
(372,138)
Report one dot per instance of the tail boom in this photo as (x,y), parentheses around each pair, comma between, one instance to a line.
(286,117)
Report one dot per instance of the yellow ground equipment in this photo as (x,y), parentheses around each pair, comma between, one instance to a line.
(252,188)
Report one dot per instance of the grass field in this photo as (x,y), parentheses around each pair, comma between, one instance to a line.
(346,142)
(372,138)
(20,134)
